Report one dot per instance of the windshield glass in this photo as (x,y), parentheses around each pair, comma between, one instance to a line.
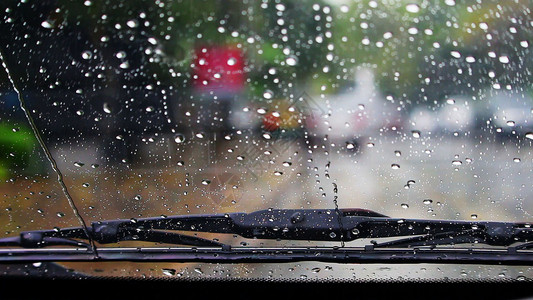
(149,109)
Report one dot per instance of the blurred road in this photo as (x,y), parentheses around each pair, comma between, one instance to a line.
(436,177)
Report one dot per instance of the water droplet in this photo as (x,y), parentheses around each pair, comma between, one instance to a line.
(395,166)
(231,61)
(278,173)
(455,54)
(412,30)
(47,24)
(287,163)
(268,94)
(398,153)
(86,54)
(85,184)
(169,272)
(529,135)
(206,182)
(473,216)
(150,109)
(240,157)
(350,145)
(412,8)
(427,201)
(200,135)
(416,134)
(510,123)
(405,205)
(179,138)
(470,59)
(79,164)
(94,166)
(107,108)
(268,136)
(504,59)
(280,7)
(291,60)
(457,162)
(137,197)
(132,23)
(120,54)
(60,214)
(516,159)
(332,235)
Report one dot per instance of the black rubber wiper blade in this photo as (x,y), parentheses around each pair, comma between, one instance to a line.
(287,224)
(274,255)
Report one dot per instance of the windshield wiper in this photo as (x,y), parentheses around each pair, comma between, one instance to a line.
(413,235)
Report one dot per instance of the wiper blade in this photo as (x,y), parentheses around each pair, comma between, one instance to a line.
(286,224)
(274,255)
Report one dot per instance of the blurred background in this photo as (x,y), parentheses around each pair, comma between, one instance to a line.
(419,109)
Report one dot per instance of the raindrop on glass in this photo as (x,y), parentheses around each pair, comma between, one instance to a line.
(169,272)
(232,61)
(179,138)
(412,8)
(291,60)
(86,54)
(47,24)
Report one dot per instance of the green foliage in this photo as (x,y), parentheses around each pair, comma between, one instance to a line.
(16,146)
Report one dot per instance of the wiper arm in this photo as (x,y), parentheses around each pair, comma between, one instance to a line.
(286,224)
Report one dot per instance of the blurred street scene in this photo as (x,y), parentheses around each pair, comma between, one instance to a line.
(418,109)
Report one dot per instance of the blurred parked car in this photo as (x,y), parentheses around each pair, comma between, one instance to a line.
(351,117)
(456,115)
(509,112)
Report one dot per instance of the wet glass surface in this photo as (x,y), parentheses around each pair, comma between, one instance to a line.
(413,109)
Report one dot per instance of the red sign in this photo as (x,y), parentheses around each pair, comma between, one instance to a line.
(219,69)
